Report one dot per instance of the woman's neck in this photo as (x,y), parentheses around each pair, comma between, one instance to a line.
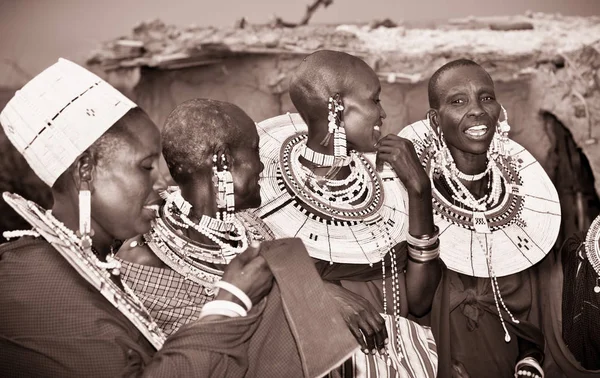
(471,164)
(314,142)
(200,194)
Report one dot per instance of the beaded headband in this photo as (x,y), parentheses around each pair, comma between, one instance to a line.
(59,114)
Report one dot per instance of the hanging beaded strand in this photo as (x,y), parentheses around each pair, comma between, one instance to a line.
(496,288)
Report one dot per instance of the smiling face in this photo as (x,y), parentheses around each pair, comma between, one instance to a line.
(468,111)
(363,113)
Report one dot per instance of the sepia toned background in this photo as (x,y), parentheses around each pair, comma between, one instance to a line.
(546,66)
(33,33)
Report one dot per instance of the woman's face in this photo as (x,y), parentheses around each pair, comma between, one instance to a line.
(123,181)
(363,112)
(246,169)
(468,111)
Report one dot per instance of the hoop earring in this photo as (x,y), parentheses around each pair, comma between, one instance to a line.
(336,127)
(223,184)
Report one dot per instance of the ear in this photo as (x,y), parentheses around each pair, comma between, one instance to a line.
(85,171)
(433,116)
(224,158)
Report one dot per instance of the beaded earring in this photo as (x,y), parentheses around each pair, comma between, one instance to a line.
(85,215)
(502,129)
(336,127)
(223,183)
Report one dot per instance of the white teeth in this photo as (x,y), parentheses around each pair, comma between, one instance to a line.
(478,130)
(376,128)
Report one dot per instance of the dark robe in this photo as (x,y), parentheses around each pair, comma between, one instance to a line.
(53,323)
(467,328)
(571,313)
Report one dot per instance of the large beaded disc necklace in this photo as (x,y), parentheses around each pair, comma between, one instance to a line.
(98,273)
(520,211)
(592,250)
(354,220)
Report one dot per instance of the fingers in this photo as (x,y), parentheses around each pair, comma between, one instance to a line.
(359,337)
(369,336)
(250,253)
(378,324)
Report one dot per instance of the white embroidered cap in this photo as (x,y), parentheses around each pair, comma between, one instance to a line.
(59,114)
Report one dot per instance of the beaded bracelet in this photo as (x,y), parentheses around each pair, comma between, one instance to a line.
(220,307)
(237,292)
(531,362)
(423,240)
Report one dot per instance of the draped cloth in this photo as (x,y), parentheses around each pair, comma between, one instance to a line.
(467,327)
(53,323)
(565,283)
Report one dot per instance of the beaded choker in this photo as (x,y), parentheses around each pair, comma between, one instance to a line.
(88,266)
(228,234)
(188,257)
(320,159)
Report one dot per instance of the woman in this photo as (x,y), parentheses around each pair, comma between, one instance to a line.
(571,306)
(319,185)
(65,310)
(499,214)
(211,149)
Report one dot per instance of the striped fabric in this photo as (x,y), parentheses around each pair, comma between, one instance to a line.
(415,356)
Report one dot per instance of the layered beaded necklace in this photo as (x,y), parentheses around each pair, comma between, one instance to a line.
(592,250)
(87,264)
(188,257)
(229,234)
(443,165)
(355,191)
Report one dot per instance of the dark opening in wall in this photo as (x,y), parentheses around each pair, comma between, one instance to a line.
(574,182)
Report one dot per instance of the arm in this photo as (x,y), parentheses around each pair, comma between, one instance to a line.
(422,279)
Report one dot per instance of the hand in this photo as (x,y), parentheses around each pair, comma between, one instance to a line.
(401,155)
(365,323)
(250,273)
(534,372)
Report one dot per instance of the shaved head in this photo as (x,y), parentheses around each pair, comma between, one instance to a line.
(323,74)
(434,90)
(197,129)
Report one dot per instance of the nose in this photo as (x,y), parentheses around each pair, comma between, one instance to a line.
(475,110)
(382,113)
(161,176)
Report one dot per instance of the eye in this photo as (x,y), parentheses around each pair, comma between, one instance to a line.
(148,167)
(458,101)
(487,98)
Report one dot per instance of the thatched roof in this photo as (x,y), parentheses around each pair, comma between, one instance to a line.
(401,53)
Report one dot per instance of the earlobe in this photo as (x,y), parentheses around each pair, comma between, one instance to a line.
(85,171)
